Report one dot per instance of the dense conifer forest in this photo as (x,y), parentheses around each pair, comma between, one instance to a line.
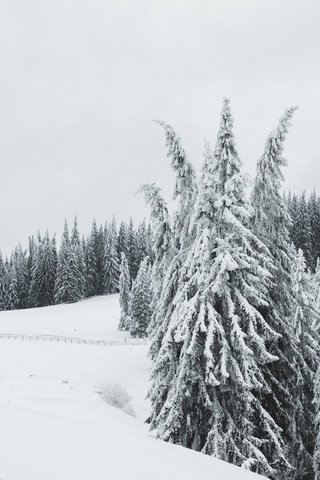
(44,274)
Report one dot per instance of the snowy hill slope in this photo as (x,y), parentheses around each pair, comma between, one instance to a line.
(94,318)
(53,422)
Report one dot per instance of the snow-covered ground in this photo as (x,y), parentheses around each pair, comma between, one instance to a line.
(55,425)
(95,318)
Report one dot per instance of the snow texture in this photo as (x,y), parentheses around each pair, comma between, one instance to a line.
(54,423)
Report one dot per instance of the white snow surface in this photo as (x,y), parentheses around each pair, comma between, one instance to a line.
(55,425)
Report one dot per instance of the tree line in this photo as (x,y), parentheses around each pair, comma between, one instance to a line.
(43,274)
(305,225)
(234,329)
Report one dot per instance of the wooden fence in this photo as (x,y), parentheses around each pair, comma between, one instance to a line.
(62,339)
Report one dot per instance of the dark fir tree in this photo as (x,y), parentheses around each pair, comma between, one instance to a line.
(314,217)
(98,241)
(122,246)
(306,329)
(44,273)
(124,288)
(78,263)
(303,238)
(293,209)
(90,261)
(12,298)
(66,288)
(4,284)
(151,254)
(141,243)
(131,250)
(31,254)
(140,303)
(20,262)
(111,261)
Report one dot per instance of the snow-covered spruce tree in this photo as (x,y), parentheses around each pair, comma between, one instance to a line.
(150,251)
(12,299)
(185,186)
(122,246)
(66,286)
(293,207)
(314,217)
(315,286)
(136,254)
(124,287)
(90,267)
(78,266)
(98,245)
(3,284)
(306,329)
(131,251)
(31,257)
(162,246)
(206,380)
(111,261)
(140,303)
(316,456)
(62,291)
(44,273)
(141,243)
(23,285)
(272,224)
(185,194)
(88,282)
(303,237)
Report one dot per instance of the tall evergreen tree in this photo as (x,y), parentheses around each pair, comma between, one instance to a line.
(314,217)
(315,286)
(122,246)
(97,241)
(31,256)
(124,287)
(185,194)
(316,457)
(185,187)
(90,267)
(12,298)
(66,283)
(293,209)
(78,262)
(142,242)
(131,252)
(272,223)
(140,308)
(111,262)
(303,238)
(3,284)
(206,380)
(44,273)
(150,250)
(162,244)
(135,253)
(21,267)
(306,329)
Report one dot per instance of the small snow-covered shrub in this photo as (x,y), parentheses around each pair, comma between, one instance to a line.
(117,396)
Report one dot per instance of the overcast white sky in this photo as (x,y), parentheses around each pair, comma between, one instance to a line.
(81,81)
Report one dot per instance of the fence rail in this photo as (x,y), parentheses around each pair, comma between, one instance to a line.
(78,340)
